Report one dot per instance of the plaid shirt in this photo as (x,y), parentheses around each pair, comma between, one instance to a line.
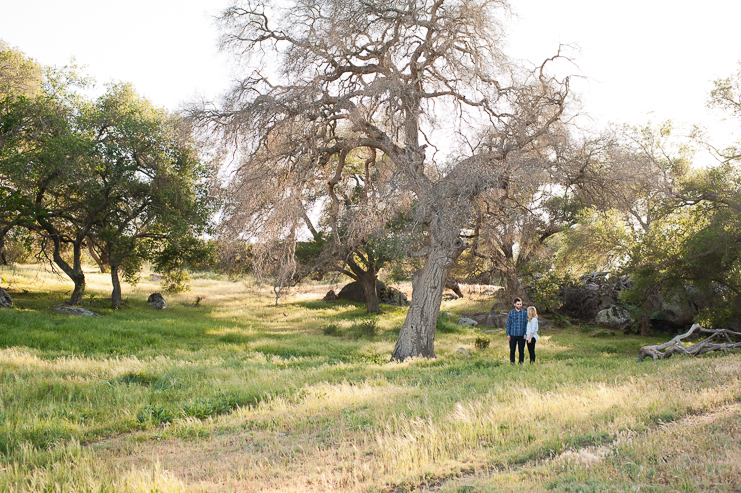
(517,323)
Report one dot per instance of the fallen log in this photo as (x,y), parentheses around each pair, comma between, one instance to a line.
(707,345)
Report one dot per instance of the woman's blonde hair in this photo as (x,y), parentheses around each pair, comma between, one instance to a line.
(531,312)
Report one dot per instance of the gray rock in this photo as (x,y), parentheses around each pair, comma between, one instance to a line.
(156,300)
(614,316)
(467,321)
(386,294)
(463,351)
(77,311)
(677,310)
(493,319)
(5,300)
(496,320)
(330,296)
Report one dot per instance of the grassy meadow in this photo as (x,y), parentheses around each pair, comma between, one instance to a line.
(226,392)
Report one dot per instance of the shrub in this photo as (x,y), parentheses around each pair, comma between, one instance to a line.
(175,281)
(446,326)
(547,291)
(482,342)
(332,330)
(364,328)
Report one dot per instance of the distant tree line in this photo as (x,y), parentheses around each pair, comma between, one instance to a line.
(115,175)
(369,136)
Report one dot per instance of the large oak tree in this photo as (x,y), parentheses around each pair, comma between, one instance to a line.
(424,83)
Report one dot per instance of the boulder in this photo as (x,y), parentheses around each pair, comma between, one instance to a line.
(615,316)
(467,321)
(591,294)
(5,300)
(495,319)
(353,292)
(463,351)
(77,311)
(156,300)
(678,311)
(478,317)
(386,294)
(330,296)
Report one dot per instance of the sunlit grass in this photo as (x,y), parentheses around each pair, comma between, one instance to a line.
(239,394)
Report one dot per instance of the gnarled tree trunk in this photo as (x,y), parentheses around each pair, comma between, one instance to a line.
(417,336)
(73,271)
(368,282)
(367,278)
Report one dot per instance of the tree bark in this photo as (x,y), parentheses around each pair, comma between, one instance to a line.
(3,257)
(645,325)
(102,260)
(116,293)
(368,281)
(367,278)
(513,286)
(77,276)
(417,335)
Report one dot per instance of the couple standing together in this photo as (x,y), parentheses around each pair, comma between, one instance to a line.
(522,327)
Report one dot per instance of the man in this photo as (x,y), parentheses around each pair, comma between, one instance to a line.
(516,328)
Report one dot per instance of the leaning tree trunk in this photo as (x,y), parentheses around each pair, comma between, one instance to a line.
(116,282)
(74,272)
(417,336)
(102,260)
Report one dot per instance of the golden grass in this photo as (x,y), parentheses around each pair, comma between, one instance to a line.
(345,419)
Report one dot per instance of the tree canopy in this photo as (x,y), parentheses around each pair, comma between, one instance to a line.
(109,172)
(331,79)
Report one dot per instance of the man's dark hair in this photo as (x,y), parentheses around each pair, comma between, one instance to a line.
(516,300)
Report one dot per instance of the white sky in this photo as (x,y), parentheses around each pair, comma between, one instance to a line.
(641,59)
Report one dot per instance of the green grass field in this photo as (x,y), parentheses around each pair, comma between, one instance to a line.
(226,392)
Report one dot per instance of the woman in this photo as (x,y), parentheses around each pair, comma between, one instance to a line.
(531,333)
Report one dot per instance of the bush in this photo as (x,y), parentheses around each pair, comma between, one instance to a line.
(365,328)
(482,342)
(332,330)
(446,326)
(175,281)
(547,291)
